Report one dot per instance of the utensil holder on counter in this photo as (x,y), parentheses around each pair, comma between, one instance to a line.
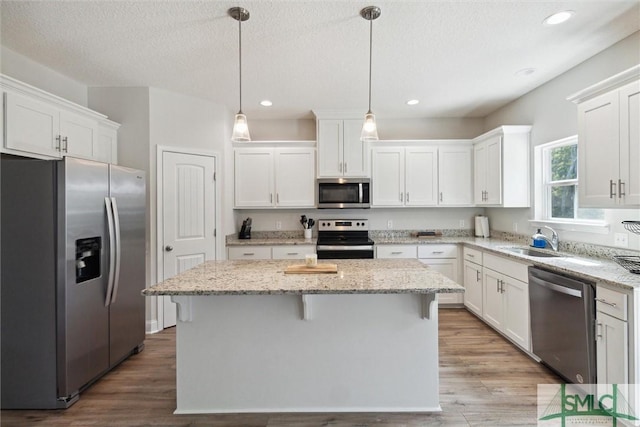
(307,233)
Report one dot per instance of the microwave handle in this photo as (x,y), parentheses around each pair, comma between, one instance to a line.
(360,193)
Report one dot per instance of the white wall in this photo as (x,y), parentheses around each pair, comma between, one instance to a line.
(553,118)
(28,71)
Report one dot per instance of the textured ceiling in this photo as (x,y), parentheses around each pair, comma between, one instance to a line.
(458,58)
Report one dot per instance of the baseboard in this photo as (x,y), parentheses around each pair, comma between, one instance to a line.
(152,327)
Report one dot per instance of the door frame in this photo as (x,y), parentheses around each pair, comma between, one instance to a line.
(159,256)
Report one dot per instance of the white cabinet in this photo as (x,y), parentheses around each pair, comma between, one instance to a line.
(473,294)
(404,176)
(501,167)
(454,175)
(506,298)
(396,251)
(38,124)
(259,252)
(609,148)
(274,177)
(443,259)
(340,151)
(612,340)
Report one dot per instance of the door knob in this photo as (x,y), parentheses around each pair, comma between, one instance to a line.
(168,248)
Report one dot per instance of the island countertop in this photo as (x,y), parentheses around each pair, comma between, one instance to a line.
(360,276)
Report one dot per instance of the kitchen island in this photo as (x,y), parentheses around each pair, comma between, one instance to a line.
(251,338)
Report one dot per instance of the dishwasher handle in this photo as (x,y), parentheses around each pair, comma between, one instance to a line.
(557,288)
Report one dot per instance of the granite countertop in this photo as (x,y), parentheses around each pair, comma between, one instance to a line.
(362,276)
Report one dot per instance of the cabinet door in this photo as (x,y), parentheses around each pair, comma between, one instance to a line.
(494,171)
(479,173)
(516,311)
(492,304)
(421,176)
(449,268)
(355,152)
(629,96)
(292,251)
(79,134)
(106,147)
(254,177)
(295,177)
(598,150)
(396,251)
(330,141)
(31,126)
(473,287)
(388,177)
(611,352)
(454,176)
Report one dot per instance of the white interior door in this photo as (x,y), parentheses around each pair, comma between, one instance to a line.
(188,215)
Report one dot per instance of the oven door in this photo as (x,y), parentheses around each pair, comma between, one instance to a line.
(344,252)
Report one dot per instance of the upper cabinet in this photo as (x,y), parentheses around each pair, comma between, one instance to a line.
(340,151)
(421,173)
(38,124)
(274,177)
(609,142)
(501,167)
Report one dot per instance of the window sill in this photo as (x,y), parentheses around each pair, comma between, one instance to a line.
(583,227)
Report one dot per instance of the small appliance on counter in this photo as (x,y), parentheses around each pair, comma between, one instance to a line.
(245,230)
(482,226)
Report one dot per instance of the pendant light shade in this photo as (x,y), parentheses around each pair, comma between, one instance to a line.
(369,128)
(240,126)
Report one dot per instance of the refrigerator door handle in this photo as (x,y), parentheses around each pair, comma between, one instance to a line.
(116,220)
(112,251)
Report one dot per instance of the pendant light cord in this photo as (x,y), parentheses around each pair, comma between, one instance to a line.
(370,58)
(240,58)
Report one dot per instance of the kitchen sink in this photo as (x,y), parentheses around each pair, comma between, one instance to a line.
(533,252)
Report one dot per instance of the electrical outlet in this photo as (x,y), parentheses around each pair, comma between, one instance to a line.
(621,240)
(278,225)
(515,227)
(462,223)
(389,225)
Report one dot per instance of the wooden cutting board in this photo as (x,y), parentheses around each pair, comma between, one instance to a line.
(319,269)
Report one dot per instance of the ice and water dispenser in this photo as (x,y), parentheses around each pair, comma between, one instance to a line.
(88,258)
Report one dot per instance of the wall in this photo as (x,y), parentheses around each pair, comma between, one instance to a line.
(30,72)
(553,118)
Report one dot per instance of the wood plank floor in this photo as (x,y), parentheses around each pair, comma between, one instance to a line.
(484,381)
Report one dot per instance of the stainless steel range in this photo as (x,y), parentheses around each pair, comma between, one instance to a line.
(344,239)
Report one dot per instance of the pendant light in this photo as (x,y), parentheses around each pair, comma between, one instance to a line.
(369,128)
(240,127)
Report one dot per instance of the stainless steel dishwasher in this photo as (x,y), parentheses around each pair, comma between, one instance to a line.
(562,324)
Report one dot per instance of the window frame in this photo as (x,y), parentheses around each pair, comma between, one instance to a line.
(543,187)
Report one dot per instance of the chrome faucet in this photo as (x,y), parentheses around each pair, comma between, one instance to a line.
(553,242)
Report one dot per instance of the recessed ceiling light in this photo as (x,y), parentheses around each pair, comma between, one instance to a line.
(525,72)
(266,103)
(413,102)
(558,18)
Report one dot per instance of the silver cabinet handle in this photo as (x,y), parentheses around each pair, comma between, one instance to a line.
(248,253)
(441,196)
(168,248)
(401,196)
(477,275)
(292,253)
(58,143)
(471,255)
(621,188)
(612,189)
(270,197)
(345,167)
(407,197)
(278,198)
(340,167)
(437,252)
(598,330)
(604,301)
(396,253)
(65,142)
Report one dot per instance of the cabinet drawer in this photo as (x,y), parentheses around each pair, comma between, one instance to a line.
(438,251)
(396,251)
(249,252)
(507,267)
(611,302)
(472,255)
(292,251)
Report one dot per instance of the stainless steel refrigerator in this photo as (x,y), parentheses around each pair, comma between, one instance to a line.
(72,269)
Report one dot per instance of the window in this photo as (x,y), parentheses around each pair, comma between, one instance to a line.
(557,163)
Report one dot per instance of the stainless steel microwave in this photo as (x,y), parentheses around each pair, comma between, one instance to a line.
(343,193)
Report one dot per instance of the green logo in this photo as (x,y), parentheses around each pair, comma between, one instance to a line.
(573,401)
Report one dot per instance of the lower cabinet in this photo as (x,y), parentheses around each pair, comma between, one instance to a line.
(270,252)
(472,279)
(443,259)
